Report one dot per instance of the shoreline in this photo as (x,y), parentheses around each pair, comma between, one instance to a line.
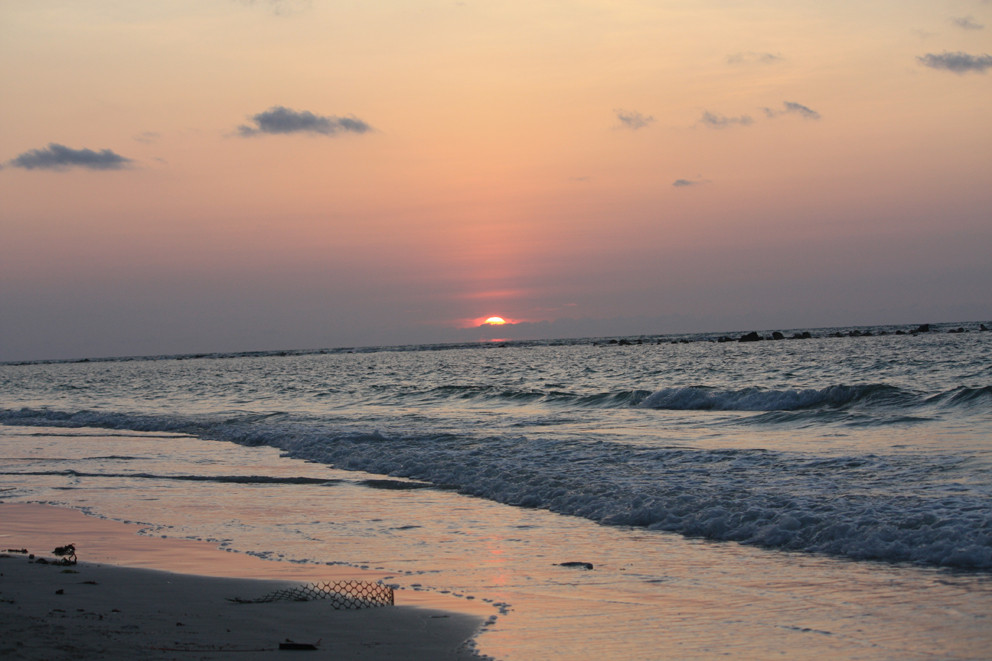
(160,598)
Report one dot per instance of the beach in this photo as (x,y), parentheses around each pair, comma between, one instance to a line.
(135,596)
(589,331)
(816,498)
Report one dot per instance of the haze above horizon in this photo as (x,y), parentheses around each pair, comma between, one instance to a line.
(234,175)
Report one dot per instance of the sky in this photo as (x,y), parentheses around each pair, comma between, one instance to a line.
(183,176)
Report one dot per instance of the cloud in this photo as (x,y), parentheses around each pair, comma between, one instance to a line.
(967,23)
(686,183)
(751,57)
(721,121)
(60,157)
(630,119)
(277,120)
(148,137)
(957,62)
(792,108)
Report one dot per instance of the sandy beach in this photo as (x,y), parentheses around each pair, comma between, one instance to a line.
(131,596)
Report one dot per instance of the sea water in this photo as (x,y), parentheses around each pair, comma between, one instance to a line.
(808,497)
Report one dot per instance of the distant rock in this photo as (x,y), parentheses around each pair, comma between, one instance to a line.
(778,336)
(750,337)
(922,328)
(576,564)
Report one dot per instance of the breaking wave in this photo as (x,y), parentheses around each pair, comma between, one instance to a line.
(758,399)
(862,398)
(860,507)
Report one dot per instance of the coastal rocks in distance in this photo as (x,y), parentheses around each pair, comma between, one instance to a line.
(576,564)
(755,336)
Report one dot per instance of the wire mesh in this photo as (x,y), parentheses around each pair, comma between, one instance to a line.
(343,595)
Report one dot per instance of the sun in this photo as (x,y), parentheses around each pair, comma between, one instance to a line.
(491,322)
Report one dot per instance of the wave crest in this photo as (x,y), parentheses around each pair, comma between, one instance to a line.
(701,398)
(860,507)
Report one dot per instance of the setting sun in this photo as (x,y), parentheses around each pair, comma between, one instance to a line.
(495,321)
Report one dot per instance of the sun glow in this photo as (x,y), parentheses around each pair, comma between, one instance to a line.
(489,323)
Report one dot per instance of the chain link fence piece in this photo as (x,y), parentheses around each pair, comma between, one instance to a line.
(344,595)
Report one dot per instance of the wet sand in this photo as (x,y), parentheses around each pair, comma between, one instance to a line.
(132,596)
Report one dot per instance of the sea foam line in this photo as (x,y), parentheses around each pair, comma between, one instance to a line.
(899,508)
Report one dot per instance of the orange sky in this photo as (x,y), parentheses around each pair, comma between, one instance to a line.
(617,167)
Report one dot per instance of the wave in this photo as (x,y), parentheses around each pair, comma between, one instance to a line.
(700,398)
(893,403)
(918,508)
(497,394)
(855,507)
(963,398)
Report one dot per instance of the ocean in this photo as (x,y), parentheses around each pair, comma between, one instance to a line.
(646,497)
